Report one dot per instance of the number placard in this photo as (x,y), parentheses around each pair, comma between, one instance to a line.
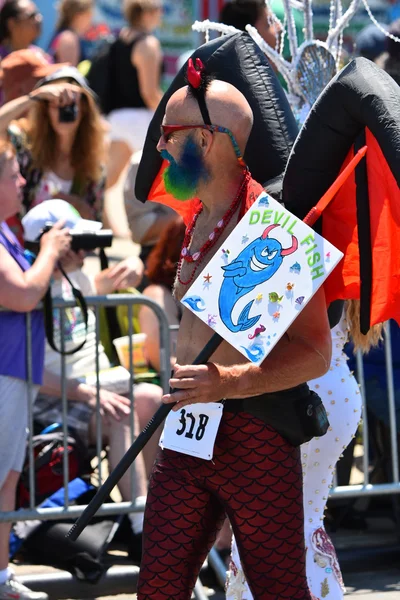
(193,429)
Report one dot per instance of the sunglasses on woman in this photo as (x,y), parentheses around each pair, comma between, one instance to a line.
(32,16)
(168,130)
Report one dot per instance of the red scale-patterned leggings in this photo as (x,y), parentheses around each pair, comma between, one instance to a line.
(255,478)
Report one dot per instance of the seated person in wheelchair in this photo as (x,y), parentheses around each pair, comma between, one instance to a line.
(115,407)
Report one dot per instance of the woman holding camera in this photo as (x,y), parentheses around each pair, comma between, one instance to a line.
(21,288)
(60,145)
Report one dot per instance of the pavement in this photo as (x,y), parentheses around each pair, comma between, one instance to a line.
(374,584)
(383,585)
(377,585)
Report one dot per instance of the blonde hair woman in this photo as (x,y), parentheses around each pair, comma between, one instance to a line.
(135,85)
(74,19)
(339,392)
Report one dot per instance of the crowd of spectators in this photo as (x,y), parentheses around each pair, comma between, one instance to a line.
(56,144)
(56,147)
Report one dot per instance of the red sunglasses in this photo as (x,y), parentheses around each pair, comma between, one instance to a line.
(168,130)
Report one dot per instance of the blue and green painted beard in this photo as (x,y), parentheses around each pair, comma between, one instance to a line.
(181,179)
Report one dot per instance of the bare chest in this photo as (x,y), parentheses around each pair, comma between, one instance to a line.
(193,333)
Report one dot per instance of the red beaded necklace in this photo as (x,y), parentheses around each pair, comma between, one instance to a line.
(197,257)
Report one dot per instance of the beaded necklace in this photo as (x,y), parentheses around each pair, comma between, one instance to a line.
(198,257)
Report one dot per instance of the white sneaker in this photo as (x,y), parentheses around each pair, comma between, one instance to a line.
(14,590)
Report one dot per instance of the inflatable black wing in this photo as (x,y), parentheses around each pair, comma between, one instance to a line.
(235,59)
(360,106)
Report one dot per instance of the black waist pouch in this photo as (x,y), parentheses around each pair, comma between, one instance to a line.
(297,414)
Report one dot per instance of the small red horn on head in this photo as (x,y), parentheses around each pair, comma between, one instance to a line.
(194,73)
(293,247)
(267,230)
(200,65)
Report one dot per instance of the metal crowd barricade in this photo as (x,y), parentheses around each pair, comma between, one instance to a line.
(350,491)
(95,302)
(366,488)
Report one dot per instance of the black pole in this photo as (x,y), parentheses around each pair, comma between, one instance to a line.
(137,446)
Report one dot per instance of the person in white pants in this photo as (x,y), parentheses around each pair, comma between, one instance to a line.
(340,394)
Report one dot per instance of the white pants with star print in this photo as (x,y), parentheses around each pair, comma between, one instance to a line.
(340,394)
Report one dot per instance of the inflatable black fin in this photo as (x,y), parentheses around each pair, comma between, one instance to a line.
(235,59)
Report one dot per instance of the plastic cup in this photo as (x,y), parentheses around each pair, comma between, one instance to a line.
(139,359)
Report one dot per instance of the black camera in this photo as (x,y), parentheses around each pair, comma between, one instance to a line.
(81,240)
(90,240)
(68,113)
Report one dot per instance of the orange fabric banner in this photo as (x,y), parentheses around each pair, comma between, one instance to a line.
(340,228)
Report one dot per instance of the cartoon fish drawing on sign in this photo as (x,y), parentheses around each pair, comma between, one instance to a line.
(273,297)
(289,287)
(254,265)
(296,268)
(196,303)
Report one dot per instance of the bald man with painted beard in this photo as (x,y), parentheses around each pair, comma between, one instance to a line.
(254,476)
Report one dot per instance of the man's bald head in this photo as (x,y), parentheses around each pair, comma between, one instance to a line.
(227,107)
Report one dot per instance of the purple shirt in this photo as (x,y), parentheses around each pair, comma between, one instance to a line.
(13,325)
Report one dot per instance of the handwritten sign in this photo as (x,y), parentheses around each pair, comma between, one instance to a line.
(262,277)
